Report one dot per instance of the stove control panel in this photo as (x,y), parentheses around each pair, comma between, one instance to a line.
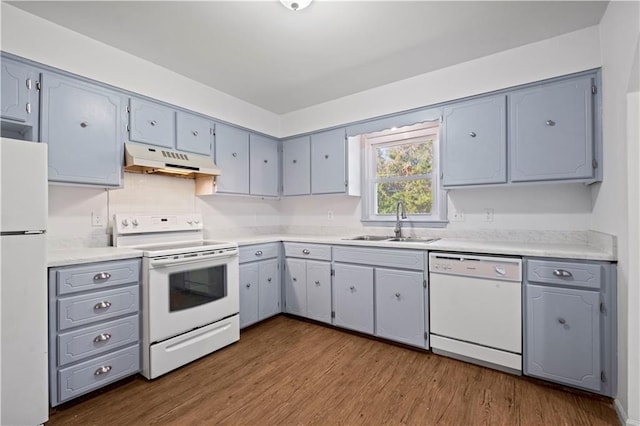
(140,224)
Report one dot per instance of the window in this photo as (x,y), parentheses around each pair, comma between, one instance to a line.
(402,165)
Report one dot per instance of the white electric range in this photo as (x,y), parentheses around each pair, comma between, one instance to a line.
(190,288)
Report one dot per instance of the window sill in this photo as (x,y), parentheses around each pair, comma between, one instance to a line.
(406,223)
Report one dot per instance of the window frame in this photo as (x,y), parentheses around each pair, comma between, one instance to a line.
(416,133)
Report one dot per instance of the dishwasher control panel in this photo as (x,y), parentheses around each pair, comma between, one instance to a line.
(492,267)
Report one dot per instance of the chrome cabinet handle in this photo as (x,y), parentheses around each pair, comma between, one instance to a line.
(195,133)
(104,337)
(234,154)
(269,279)
(102,370)
(266,161)
(397,295)
(295,279)
(550,123)
(473,134)
(326,156)
(352,288)
(102,305)
(562,273)
(295,161)
(101,276)
(317,283)
(84,124)
(562,321)
(153,122)
(249,285)
(306,251)
(259,253)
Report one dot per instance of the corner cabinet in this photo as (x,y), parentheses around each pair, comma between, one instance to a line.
(570,323)
(551,131)
(232,157)
(474,143)
(296,166)
(329,162)
(94,326)
(263,166)
(260,283)
(84,125)
(19,103)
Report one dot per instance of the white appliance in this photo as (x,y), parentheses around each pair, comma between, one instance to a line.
(23,283)
(190,289)
(475,307)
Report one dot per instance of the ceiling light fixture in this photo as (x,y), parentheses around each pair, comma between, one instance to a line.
(295,5)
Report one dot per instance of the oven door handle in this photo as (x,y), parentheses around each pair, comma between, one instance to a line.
(160,263)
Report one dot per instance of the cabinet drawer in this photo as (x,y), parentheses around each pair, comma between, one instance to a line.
(308,251)
(258,252)
(87,308)
(394,258)
(97,372)
(90,341)
(97,276)
(586,275)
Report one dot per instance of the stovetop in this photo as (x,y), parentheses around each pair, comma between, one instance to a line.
(168,249)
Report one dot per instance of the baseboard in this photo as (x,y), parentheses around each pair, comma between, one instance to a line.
(622,415)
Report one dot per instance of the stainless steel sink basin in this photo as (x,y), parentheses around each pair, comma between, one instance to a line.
(422,240)
(369,238)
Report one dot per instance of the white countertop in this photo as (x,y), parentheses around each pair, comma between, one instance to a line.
(67,256)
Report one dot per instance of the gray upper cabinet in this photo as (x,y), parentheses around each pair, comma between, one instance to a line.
(296,166)
(232,156)
(151,123)
(84,125)
(328,162)
(194,133)
(19,105)
(551,131)
(474,143)
(263,166)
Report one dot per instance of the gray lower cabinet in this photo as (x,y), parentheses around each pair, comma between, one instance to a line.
(474,142)
(232,157)
(94,326)
(260,283)
(552,131)
(353,297)
(296,166)
(194,133)
(569,325)
(308,281)
(263,166)
(151,123)
(84,125)
(19,102)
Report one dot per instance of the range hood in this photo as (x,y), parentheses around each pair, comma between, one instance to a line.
(149,159)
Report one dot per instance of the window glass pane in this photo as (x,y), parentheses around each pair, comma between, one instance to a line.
(417,196)
(404,160)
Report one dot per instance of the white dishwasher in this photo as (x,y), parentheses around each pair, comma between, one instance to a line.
(475,306)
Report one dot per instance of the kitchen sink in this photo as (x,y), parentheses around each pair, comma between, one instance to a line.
(423,240)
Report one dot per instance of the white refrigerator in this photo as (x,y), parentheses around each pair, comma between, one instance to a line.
(23,283)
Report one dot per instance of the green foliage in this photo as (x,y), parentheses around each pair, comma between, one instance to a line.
(412,159)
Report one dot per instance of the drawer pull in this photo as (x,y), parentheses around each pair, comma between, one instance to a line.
(104,337)
(259,253)
(102,305)
(550,123)
(153,122)
(306,251)
(101,276)
(84,124)
(102,370)
(562,321)
(562,273)
(195,133)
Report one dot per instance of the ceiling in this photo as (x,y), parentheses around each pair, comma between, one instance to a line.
(283,61)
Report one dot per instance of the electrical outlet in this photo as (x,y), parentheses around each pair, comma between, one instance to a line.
(488,215)
(457,216)
(97,219)
(329,214)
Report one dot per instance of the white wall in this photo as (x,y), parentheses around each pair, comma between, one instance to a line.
(32,37)
(619,33)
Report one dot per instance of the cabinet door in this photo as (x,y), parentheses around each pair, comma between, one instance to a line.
(296,287)
(18,89)
(194,133)
(83,124)
(151,123)
(319,291)
(263,161)
(232,157)
(296,166)
(249,284)
(551,131)
(269,294)
(400,306)
(474,143)
(328,162)
(353,297)
(562,335)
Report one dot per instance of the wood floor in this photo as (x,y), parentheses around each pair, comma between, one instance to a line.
(289,372)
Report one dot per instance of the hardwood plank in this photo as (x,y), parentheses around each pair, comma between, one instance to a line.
(286,371)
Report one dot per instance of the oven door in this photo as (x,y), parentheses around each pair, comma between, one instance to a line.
(184,294)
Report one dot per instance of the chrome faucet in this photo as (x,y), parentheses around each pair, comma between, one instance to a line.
(398,229)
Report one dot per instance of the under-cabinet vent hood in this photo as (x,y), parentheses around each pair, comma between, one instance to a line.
(150,159)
